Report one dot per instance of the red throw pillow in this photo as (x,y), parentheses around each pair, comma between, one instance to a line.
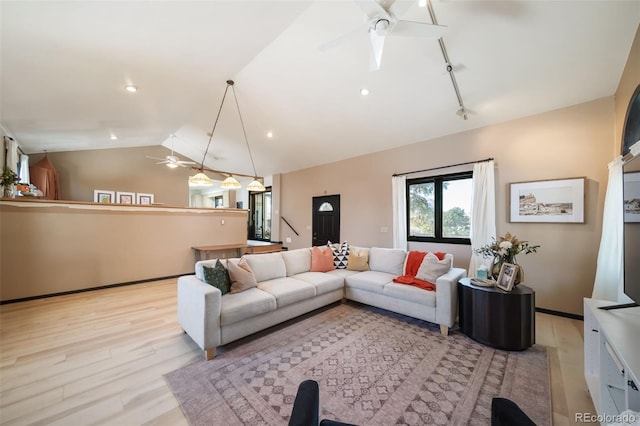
(322,259)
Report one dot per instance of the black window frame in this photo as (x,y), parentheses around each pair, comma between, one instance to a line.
(437,192)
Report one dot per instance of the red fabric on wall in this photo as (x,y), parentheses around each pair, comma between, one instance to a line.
(45,177)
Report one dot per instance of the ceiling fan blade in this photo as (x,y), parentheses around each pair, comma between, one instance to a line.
(418,29)
(398,8)
(163,162)
(156,158)
(371,7)
(377,44)
(186,162)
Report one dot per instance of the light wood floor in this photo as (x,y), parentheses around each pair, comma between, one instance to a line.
(99,357)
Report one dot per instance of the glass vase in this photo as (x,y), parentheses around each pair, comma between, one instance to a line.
(8,191)
(497,265)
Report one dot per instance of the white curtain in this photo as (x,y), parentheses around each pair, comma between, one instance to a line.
(399,192)
(24,169)
(609,272)
(483,212)
(12,155)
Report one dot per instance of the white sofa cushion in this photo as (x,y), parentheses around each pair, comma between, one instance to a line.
(288,290)
(387,260)
(267,266)
(373,281)
(323,281)
(297,261)
(247,304)
(342,273)
(410,293)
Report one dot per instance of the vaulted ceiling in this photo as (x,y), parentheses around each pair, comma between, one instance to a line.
(64,65)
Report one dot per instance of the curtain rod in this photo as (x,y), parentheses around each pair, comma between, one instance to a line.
(442,167)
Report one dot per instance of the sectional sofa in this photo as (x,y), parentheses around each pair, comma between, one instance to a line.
(287,288)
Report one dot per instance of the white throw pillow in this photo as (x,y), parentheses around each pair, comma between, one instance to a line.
(432,268)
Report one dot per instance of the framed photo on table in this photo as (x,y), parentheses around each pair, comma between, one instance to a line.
(144,198)
(507,276)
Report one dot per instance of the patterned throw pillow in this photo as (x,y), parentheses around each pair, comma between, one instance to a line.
(340,254)
(217,277)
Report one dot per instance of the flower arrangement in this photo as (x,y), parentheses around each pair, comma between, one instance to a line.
(506,248)
(8,177)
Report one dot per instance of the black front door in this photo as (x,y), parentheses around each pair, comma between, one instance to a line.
(326,220)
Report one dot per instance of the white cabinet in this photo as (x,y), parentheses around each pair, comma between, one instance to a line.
(612,358)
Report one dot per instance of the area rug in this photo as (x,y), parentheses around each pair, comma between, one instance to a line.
(373,367)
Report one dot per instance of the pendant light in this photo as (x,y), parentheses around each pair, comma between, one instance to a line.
(230,182)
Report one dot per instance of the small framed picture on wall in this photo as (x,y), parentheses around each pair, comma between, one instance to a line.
(103,197)
(146,199)
(125,197)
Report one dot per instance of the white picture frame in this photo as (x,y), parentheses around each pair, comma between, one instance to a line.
(103,196)
(144,199)
(507,277)
(547,201)
(125,197)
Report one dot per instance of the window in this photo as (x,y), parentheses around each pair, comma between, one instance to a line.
(439,208)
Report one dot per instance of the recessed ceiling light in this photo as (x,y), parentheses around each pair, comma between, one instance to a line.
(364,92)
(114,138)
(422,3)
(269,134)
(130,88)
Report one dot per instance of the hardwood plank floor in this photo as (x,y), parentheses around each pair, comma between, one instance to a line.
(98,358)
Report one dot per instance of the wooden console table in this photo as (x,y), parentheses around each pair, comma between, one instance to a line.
(203,251)
(496,318)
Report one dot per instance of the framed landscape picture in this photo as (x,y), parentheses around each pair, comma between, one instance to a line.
(559,201)
(125,197)
(144,198)
(632,197)
(103,197)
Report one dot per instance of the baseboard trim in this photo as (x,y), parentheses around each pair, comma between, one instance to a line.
(560,314)
(82,290)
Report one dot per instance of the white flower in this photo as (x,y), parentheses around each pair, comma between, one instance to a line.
(505,245)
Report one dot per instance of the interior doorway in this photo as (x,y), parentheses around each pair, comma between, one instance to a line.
(260,215)
(326,219)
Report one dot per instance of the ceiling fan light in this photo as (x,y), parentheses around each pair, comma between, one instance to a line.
(200,179)
(172,165)
(256,186)
(230,183)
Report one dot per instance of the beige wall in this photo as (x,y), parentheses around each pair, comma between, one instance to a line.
(122,169)
(48,247)
(571,142)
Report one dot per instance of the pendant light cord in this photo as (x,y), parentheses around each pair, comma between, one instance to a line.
(255,174)
(229,82)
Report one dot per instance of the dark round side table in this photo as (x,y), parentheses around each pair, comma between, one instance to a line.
(496,318)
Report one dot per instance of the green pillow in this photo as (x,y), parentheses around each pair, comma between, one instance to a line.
(217,277)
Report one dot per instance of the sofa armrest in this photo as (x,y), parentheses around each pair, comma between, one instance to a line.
(447,296)
(199,306)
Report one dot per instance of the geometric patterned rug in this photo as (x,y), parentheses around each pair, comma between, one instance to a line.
(374,367)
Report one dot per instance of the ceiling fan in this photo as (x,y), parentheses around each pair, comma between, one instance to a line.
(171,160)
(382,21)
